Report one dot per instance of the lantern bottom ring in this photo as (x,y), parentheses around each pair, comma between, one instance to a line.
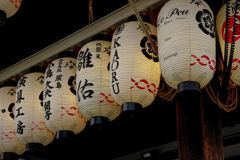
(99,120)
(34,147)
(131,106)
(9,156)
(189,86)
(64,134)
(188,91)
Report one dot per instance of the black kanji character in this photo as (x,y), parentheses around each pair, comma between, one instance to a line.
(19,96)
(47,109)
(11,92)
(20,127)
(40,79)
(19,112)
(58,78)
(22,82)
(70,65)
(49,72)
(59,85)
(84,59)
(83,92)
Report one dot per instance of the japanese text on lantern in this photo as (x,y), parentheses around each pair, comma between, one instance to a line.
(47,91)
(19,98)
(114,67)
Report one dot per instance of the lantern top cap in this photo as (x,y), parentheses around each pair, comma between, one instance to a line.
(102,36)
(65,54)
(144,17)
(37,69)
(9,82)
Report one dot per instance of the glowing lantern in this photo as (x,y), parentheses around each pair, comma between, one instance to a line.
(30,127)
(8,8)
(186,44)
(93,91)
(135,72)
(10,146)
(221,27)
(60,105)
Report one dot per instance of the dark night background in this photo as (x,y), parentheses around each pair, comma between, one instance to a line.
(40,23)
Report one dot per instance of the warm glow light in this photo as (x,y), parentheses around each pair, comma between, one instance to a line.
(186,42)
(8,140)
(93,90)
(59,97)
(29,121)
(134,67)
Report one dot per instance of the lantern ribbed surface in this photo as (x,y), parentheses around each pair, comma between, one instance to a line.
(221,27)
(29,121)
(134,67)
(93,89)
(8,139)
(186,42)
(10,7)
(59,96)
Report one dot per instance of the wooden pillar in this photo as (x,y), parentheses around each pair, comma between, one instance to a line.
(198,129)
(211,130)
(189,128)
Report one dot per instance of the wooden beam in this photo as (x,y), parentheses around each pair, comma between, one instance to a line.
(76,37)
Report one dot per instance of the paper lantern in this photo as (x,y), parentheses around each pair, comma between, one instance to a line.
(93,90)
(221,27)
(60,105)
(30,127)
(8,8)
(186,43)
(134,67)
(10,146)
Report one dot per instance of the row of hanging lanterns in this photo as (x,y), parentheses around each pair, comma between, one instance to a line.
(110,76)
(30,126)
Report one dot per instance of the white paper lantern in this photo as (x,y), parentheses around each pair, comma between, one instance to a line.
(30,127)
(61,113)
(221,27)
(93,90)
(8,140)
(135,72)
(10,7)
(186,42)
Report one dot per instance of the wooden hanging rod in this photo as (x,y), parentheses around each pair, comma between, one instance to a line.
(74,38)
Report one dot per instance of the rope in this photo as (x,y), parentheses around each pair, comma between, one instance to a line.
(143,26)
(232,98)
(227,86)
(90,12)
(165,92)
